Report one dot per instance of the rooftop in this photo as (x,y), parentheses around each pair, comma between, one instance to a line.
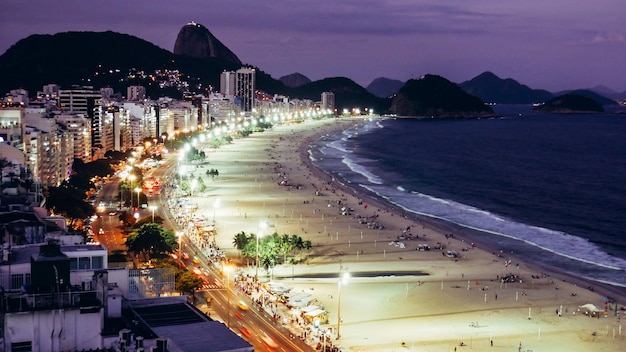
(186,327)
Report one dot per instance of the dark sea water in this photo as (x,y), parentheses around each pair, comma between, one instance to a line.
(551,186)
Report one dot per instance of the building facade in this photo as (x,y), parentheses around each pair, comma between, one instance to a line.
(245,86)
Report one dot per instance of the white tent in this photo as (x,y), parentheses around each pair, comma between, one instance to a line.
(591,308)
(315,312)
(299,300)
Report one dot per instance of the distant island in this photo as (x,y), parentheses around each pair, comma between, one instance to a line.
(433,96)
(570,104)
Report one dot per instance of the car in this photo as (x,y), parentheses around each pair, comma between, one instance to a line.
(197,271)
(185,256)
(269,342)
(112,213)
(243,305)
(195,260)
(245,332)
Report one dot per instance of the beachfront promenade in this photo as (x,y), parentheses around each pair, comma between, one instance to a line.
(482,297)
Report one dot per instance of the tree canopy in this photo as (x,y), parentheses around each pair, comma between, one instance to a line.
(187,282)
(68,201)
(151,239)
(273,249)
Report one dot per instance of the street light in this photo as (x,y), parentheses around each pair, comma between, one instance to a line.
(262,226)
(343,279)
(216,205)
(228,269)
(193,185)
(132,179)
(137,189)
(179,235)
(153,208)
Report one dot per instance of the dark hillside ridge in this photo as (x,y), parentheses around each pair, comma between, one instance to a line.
(570,103)
(295,80)
(600,99)
(435,96)
(493,89)
(384,87)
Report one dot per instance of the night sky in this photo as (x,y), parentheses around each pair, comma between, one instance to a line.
(548,44)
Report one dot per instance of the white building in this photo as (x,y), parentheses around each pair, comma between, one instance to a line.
(227,84)
(328,101)
(80,128)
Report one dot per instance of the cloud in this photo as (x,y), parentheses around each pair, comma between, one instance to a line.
(600,39)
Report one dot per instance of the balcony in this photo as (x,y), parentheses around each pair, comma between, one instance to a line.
(15,302)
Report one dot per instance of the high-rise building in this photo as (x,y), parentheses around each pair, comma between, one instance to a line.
(135,93)
(328,101)
(77,99)
(47,148)
(79,127)
(227,83)
(84,100)
(245,88)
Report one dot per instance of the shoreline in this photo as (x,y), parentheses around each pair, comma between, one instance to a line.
(439,305)
(466,234)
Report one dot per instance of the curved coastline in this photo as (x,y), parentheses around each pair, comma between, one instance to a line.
(436,309)
(463,232)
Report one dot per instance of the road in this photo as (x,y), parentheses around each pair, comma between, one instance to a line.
(111,236)
(252,324)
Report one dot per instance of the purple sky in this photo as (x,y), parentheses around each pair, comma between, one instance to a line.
(549,44)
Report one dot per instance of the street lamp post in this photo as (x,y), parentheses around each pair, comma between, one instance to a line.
(343,279)
(228,269)
(132,179)
(262,226)
(193,184)
(256,276)
(120,192)
(137,189)
(179,235)
(153,208)
(216,205)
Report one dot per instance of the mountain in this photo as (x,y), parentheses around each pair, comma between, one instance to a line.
(604,91)
(294,80)
(74,58)
(348,94)
(195,40)
(110,59)
(493,89)
(384,87)
(435,96)
(570,103)
(591,95)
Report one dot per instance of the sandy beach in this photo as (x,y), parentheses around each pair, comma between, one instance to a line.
(398,298)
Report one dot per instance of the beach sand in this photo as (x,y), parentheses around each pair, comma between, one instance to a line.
(433,302)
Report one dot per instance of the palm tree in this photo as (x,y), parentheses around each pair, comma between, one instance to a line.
(307,246)
(297,243)
(240,241)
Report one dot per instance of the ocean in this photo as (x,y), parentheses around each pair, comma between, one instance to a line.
(549,188)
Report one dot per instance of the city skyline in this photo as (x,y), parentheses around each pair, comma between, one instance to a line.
(555,46)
